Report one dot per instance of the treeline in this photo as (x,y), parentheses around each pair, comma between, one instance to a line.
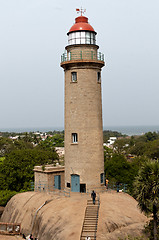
(107,134)
(135,161)
(13,134)
(128,155)
(18,158)
(33,135)
(145,145)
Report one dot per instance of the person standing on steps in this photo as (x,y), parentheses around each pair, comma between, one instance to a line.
(93,195)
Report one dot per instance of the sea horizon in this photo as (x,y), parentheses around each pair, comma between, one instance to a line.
(128,130)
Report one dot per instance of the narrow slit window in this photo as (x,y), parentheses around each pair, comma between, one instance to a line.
(98,77)
(74,76)
(102,178)
(74,138)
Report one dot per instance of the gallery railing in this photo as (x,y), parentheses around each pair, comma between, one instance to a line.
(82,55)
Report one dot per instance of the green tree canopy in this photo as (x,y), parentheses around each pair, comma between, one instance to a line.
(118,169)
(16,172)
(146,189)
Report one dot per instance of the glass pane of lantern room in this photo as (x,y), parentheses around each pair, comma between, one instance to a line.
(73,41)
(83,41)
(88,40)
(78,41)
(92,41)
(73,35)
(70,42)
(69,36)
(82,34)
(88,34)
(78,34)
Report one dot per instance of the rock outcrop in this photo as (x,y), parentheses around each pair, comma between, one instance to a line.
(62,217)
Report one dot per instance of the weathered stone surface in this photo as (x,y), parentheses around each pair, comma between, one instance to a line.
(83,116)
(62,217)
(119,217)
(3,237)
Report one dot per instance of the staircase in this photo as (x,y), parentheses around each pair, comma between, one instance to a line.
(90,220)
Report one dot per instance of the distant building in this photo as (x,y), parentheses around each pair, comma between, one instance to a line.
(49,178)
(110,142)
(60,151)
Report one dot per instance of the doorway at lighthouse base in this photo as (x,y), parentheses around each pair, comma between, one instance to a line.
(75,184)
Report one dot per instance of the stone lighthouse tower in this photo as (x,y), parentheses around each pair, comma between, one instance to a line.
(82,64)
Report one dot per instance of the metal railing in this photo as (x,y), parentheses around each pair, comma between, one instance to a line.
(98,199)
(121,187)
(45,187)
(82,55)
(10,228)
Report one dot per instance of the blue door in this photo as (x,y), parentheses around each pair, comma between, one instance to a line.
(75,183)
(57,182)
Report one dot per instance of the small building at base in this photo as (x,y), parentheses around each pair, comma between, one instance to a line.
(49,178)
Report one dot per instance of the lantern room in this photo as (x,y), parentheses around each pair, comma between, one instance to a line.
(81,32)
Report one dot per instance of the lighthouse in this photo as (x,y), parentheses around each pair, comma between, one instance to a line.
(82,63)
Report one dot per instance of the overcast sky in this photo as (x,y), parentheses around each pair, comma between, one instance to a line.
(33,35)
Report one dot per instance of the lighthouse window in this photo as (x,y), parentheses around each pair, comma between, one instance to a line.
(98,77)
(102,177)
(74,138)
(74,76)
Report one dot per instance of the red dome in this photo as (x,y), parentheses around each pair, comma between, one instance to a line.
(81,24)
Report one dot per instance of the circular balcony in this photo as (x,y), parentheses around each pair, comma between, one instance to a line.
(82,56)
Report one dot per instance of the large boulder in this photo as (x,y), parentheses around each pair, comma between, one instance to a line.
(119,217)
(62,217)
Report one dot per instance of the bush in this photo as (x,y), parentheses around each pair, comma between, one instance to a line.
(5,196)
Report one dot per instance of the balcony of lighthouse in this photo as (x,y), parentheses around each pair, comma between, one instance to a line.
(85,53)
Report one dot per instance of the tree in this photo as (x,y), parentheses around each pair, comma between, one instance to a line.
(107,134)
(151,136)
(146,189)
(121,145)
(6,146)
(138,149)
(55,141)
(118,169)
(16,171)
(152,150)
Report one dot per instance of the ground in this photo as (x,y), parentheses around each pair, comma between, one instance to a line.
(62,217)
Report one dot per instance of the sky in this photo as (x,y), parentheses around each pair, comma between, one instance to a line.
(33,35)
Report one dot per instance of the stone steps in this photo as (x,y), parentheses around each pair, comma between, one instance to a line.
(90,220)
